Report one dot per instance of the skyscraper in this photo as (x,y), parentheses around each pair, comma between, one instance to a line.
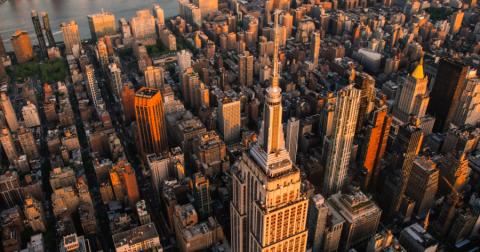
(22,46)
(291,141)
(38,31)
(124,182)
(447,89)
(115,76)
(374,143)
(30,115)
(366,84)
(245,69)
(28,143)
(407,146)
(152,131)
(102,24)
(201,194)
(413,99)
(184,60)
(206,6)
(159,15)
(48,29)
(456,21)
(143,27)
(315,47)
(423,184)
(361,215)
(229,118)
(258,212)
(71,38)
(468,108)
(339,143)
(154,77)
(8,111)
(92,85)
(102,53)
(8,145)
(317,221)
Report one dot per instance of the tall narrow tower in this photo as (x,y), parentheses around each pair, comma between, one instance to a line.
(152,131)
(48,29)
(39,33)
(339,143)
(268,209)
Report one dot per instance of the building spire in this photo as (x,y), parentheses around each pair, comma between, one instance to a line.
(418,73)
(275,77)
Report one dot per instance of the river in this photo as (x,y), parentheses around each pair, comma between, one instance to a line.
(15,14)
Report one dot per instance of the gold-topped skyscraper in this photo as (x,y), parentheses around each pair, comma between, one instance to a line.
(152,131)
(268,209)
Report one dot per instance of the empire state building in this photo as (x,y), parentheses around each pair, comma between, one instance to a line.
(268,210)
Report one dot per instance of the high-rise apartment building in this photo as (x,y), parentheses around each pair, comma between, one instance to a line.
(115,76)
(154,77)
(245,69)
(423,184)
(361,216)
(315,47)
(71,38)
(291,139)
(449,84)
(229,118)
(374,143)
(339,142)
(30,115)
(152,131)
(414,96)
(210,153)
(207,7)
(267,192)
(102,53)
(123,176)
(102,24)
(468,108)
(159,15)
(8,111)
(48,29)
(8,145)
(201,193)
(190,12)
(143,27)
(28,143)
(22,46)
(184,60)
(39,32)
(128,102)
(92,85)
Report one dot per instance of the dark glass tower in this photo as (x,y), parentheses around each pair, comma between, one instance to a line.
(447,89)
(48,29)
(39,32)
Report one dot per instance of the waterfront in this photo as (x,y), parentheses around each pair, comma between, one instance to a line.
(15,14)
